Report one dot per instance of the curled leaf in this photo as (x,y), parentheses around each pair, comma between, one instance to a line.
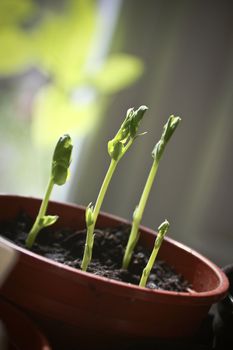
(61,160)
(168,131)
(164,227)
(127,133)
(135,120)
(115,149)
(48,220)
(162,230)
(89,215)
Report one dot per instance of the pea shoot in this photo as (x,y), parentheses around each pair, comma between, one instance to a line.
(157,153)
(59,174)
(162,230)
(117,147)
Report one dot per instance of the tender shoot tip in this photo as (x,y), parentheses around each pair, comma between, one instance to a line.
(61,160)
(164,226)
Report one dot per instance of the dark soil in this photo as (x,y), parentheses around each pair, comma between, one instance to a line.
(66,246)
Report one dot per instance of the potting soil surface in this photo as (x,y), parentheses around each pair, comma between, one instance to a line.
(66,246)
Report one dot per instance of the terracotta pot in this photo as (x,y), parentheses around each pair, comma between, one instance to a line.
(21,332)
(81,304)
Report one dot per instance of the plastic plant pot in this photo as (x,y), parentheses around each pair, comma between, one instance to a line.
(71,304)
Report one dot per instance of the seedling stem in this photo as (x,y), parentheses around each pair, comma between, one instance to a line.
(162,230)
(157,153)
(59,174)
(117,147)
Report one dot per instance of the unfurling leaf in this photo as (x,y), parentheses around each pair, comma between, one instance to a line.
(89,215)
(168,131)
(48,220)
(127,133)
(61,160)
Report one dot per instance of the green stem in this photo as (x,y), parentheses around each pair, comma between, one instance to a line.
(104,188)
(90,229)
(138,213)
(147,269)
(36,227)
(87,256)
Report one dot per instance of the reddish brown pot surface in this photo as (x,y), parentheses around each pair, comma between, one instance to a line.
(22,333)
(81,304)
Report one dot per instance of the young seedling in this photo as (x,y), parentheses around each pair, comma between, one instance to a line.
(162,230)
(117,147)
(59,174)
(157,153)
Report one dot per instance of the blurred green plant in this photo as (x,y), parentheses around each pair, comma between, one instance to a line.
(60,45)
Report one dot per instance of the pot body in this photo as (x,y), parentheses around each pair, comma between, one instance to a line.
(79,303)
(21,332)
(7,260)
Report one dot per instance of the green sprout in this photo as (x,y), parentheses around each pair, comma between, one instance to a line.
(59,174)
(157,153)
(162,230)
(117,147)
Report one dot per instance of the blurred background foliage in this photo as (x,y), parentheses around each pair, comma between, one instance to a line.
(55,77)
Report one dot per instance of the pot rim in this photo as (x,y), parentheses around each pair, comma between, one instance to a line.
(205,297)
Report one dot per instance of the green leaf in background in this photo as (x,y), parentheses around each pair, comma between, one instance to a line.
(64,41)
(15,11)
(60,44)
(55,113)
(16,51)
(118,72)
